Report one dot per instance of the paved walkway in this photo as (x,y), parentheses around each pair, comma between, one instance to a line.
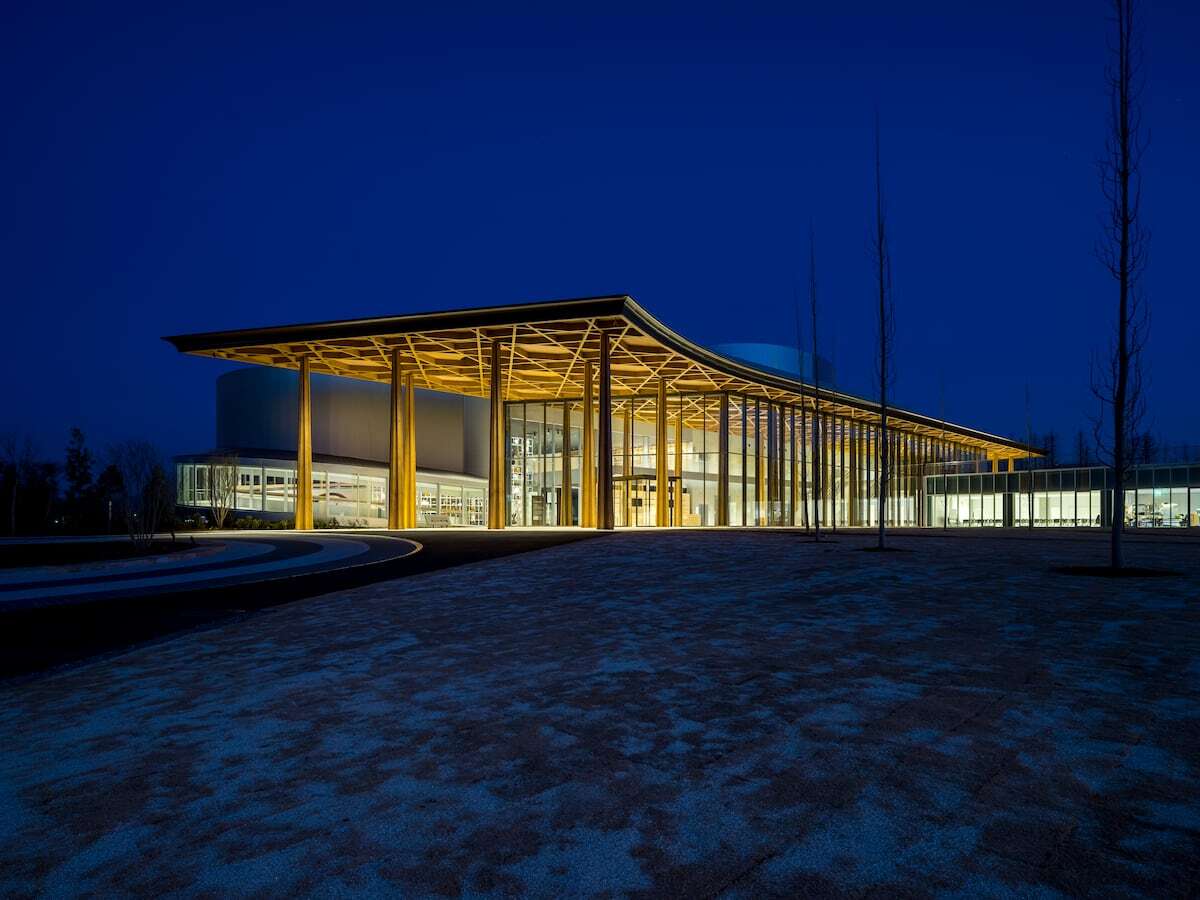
(676,714)
(217,559)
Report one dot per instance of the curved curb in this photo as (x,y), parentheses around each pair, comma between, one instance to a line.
(217,578)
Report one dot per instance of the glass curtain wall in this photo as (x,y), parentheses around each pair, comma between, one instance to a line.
(700,452)
(776,477)
(1156,497)
(538,451)
(346,496)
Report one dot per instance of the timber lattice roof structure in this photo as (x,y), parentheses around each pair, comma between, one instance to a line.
(545,345)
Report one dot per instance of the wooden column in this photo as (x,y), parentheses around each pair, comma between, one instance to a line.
(794,483)
(304,508)
(678,518)
(661,513)
(564,506)
(409,441)
(852,486)
(587,495)
(781,477)
(497,464)
(761,465)
(604,473)
(396,495)
(629,516)
(723,463)
(771,466)
(805,456)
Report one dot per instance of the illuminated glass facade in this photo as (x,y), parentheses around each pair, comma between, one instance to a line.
(350,494)
(1166,496)
(690,437)
(731,460)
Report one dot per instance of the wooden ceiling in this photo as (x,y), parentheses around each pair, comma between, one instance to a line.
(544,349)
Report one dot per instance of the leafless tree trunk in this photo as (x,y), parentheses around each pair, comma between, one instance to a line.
(818,448)
(943,468)
(1122,249)
(17,454)
(144,491)
(881,256)
(1029,451)
(1082,456)
(803,416)
(222,488)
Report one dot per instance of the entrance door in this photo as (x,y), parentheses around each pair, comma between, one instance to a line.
(641,501)
(634,496)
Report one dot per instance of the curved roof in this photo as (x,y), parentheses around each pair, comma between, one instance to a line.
(544,346)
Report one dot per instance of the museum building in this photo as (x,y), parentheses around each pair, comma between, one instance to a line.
(586,412)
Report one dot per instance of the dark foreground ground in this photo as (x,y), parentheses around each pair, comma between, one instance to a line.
(42,633)
(701,714)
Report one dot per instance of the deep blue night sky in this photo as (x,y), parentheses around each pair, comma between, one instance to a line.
(170,170)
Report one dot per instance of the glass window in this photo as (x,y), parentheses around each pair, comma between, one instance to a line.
(936,510)
(185,490)
(201,488)
(450,503)
(989,509)
(1132,514)
(249,488)
(343,496)
(279,490)
(1066,518)
(1021,513)
(374,496)
(475,506)
(517,514)
(427,504)
(320,502)
(1177,510)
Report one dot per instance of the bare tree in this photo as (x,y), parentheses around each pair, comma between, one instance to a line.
(881,255)
(1117,383)
(18,458)
(942,468)
(818,448)
(803,413)
(1029,451)
(145,493)
(1146,449)
(1082,454)
(1050,445)
(222,483)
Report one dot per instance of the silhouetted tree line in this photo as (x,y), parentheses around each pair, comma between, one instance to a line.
(128,491)
(1145,449)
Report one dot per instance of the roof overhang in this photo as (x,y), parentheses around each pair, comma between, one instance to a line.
(545,345)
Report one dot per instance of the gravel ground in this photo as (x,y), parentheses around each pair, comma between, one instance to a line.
(691,714)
